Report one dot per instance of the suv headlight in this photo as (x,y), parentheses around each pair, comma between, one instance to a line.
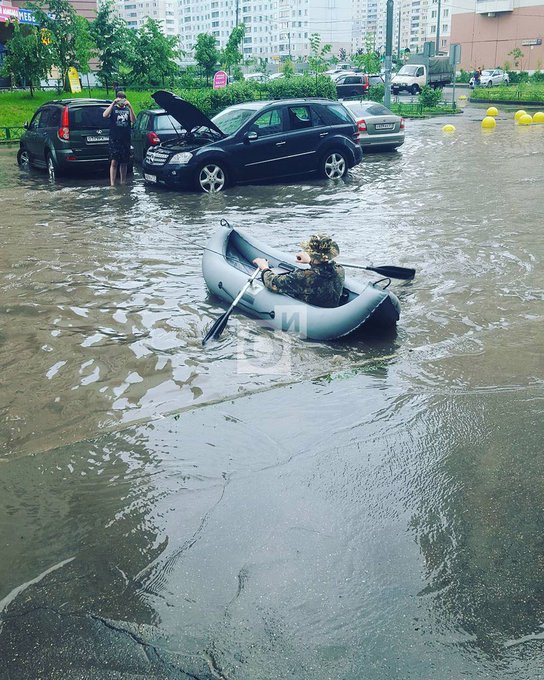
(181,158)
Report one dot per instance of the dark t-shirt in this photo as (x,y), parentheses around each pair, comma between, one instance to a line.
(120,124)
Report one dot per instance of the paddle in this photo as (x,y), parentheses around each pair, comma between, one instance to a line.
(218,327)
(391,272)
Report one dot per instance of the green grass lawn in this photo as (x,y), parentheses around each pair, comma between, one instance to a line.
(18,106)
(520,92)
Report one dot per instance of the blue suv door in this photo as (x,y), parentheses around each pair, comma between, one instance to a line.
(305,137)
(263,156)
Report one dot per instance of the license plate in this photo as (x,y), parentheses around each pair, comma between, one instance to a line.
(150,178)
(385,126)
(97,139)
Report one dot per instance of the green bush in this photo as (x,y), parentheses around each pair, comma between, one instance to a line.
(518,77)
(463,77)
(429,97)
(537,77)
(376,93)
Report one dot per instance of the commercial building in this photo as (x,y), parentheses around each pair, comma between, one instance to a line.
(490,30)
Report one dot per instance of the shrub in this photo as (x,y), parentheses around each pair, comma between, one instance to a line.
(537,77)
(463,77)
(518,76)
(429,98)
(376,93)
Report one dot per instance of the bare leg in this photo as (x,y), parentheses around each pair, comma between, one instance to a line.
(113,172)
(123,172)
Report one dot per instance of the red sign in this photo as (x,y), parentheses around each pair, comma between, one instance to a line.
(220,79)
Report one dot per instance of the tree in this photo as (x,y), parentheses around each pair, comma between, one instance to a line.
(317,60)
(367,58)
(28,57)
(342,54)
(113,44)
(288,69)
(153,55)
(206,54)
(71,41)
(517,55)
(232,54)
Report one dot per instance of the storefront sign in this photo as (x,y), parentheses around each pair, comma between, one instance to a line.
(23,16)
(530,43)
(220,80)
(73,79)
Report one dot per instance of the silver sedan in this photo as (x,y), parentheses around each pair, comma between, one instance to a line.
(378,126)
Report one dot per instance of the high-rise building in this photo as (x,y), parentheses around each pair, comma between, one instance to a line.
(165,12)
(274,29)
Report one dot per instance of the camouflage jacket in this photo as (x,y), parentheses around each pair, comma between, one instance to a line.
(321,285)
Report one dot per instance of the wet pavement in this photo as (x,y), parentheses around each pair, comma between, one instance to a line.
(267,507)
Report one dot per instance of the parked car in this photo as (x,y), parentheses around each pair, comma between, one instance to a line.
(491,77)
(152,127)
(66,134)
(378,126)
(351,85)
(253,141)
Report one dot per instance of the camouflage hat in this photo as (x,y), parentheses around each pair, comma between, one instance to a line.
(321,247)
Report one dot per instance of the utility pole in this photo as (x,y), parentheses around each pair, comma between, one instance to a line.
(437,43)
(398,37)
(388,52)
(237,12)
(289,39)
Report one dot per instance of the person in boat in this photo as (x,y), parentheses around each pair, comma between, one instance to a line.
(320,284)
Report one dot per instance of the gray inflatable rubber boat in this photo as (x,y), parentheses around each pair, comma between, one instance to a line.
(227,264)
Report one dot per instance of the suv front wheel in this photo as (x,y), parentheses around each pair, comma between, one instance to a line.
(211,178)
(333,165)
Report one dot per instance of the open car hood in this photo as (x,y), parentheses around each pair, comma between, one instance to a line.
(187,115)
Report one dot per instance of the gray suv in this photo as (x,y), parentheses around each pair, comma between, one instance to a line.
(66,134)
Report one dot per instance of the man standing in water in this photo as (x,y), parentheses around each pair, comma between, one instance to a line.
(121,118)
(320,285)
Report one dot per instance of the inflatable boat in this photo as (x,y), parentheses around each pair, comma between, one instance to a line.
(227,264)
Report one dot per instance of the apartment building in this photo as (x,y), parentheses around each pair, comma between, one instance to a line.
(490,30)
(275,30)
(410,24)
(166,12)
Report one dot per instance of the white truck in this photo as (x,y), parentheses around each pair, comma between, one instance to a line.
(422,70)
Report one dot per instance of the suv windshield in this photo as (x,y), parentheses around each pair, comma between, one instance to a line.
(230,121)
(88,117)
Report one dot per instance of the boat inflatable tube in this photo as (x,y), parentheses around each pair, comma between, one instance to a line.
(227,264)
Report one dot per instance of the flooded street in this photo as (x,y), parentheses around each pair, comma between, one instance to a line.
(268,507)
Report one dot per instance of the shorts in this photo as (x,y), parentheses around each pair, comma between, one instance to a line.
(119,151)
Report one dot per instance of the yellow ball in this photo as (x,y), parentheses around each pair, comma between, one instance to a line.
(488,123)
(463,97)
(526,119)
(538,117)
(448,128)
(492,111)
(519,114)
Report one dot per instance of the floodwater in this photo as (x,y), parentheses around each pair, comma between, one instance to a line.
(268,507)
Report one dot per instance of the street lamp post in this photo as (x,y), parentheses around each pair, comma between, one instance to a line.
(388,52)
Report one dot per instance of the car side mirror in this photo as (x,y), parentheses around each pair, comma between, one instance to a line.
(250,136)
(26,125)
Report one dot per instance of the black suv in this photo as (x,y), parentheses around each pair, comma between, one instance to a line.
(65,134)
(253,141)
